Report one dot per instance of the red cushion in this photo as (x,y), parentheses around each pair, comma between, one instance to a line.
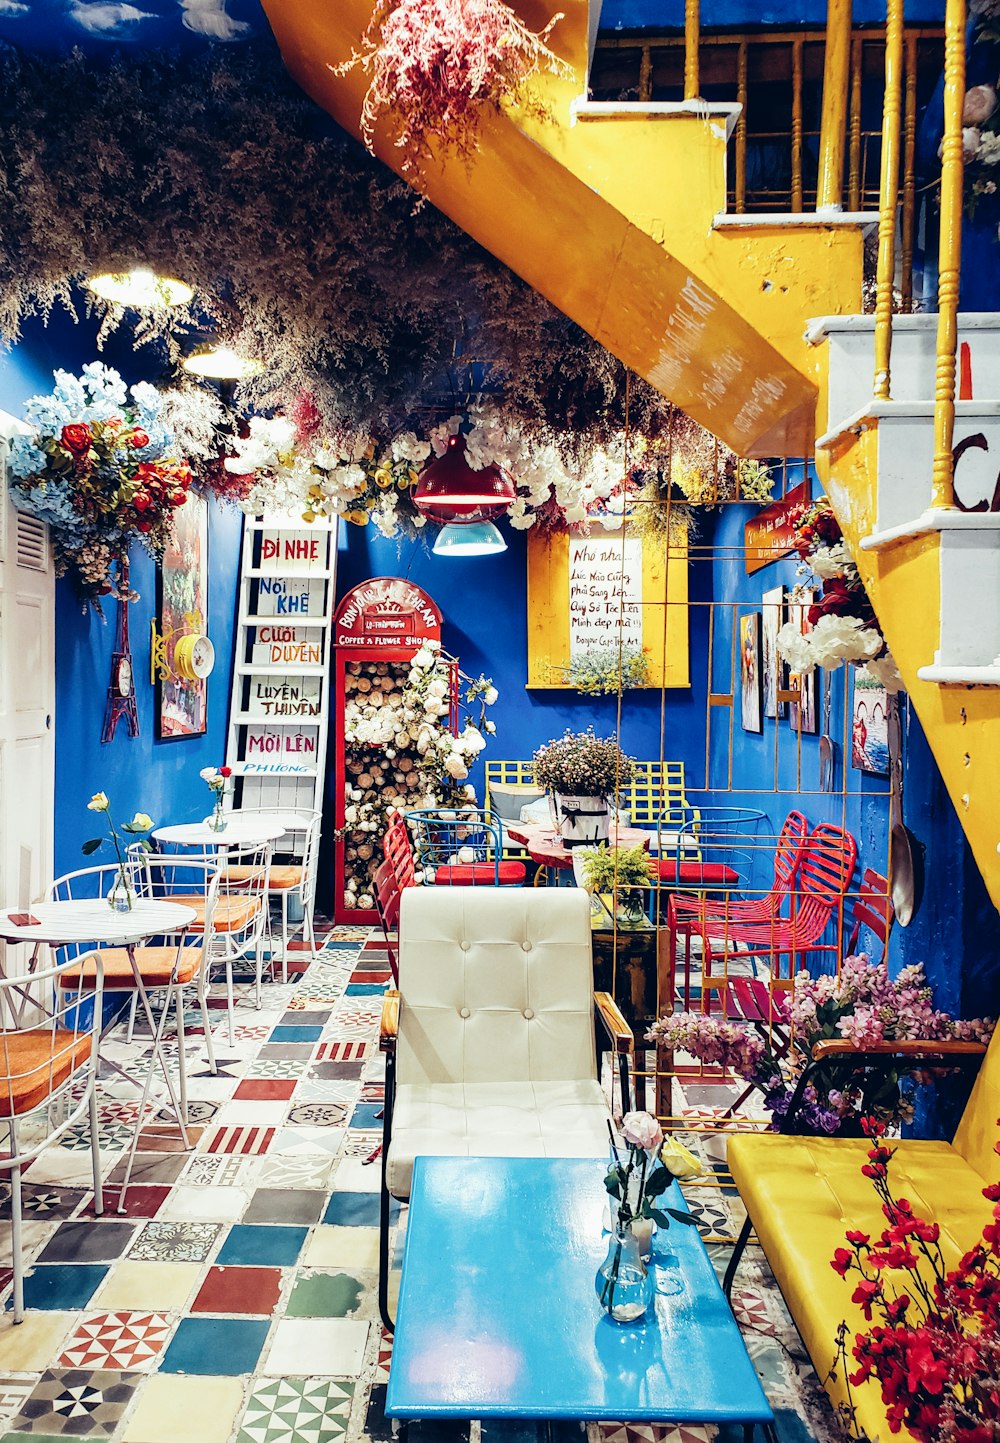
(483,874)
(694,872)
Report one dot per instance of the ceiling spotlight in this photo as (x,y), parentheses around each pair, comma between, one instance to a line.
(220,363)
(470,538)
(141,288)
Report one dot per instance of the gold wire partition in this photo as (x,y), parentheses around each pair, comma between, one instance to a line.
(766,746)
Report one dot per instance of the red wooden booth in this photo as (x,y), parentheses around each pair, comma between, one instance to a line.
(378,629)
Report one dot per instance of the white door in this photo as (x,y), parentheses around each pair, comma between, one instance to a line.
(27,696)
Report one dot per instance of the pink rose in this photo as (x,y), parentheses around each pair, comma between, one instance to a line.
(641,1129)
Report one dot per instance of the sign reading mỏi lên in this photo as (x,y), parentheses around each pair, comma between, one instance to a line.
(605,593)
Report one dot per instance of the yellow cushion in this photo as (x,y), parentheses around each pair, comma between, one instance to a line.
(280,879)
(231,914)
(804,1192)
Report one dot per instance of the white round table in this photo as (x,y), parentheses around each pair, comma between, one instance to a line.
(92,920)
(89,920)
(239,831)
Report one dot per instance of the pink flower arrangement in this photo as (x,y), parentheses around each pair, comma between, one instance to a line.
(862,1004)
(437,64)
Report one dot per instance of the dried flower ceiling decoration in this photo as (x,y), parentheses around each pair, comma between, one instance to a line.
(302,250)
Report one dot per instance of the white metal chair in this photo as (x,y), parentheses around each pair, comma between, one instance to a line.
(489,1039)
(171,964)
(48,1049)
(295,856)
(234,929)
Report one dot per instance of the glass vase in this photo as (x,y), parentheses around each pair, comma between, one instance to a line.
(624,1288)
(217,821)
(121,898)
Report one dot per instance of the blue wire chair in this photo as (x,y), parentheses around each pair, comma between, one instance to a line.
(461,847)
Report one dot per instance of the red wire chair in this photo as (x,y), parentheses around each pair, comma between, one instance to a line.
(872,909)
(399,852)
(387,898)
(824,873)
(689,916)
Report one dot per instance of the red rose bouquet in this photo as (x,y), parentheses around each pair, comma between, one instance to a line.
(98,471)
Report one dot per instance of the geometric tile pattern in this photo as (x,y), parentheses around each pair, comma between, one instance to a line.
(76,1402)
(234,1302)
(116,1340)
(297,1410)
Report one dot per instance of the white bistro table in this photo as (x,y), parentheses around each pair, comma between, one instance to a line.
(90,921)
(239,831)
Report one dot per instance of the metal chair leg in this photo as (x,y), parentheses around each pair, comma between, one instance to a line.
(385,1202)
(734,1261)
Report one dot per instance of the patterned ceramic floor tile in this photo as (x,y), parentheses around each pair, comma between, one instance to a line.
(13,1392)
(318,1114)
(296,1410)
(246,1140)
(276,1067)
(311,1170)
(342,1051)
(111,1137)
(117,1340)
(213,1169)
(43,1202)
(74,1402)
(175,1242)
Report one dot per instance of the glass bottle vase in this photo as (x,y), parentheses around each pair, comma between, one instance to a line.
(121,898)
(217,821)
(624,1287)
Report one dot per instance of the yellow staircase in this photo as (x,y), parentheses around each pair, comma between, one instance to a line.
(615,213)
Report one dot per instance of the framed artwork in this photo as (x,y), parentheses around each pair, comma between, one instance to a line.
(182,706)
(804,713)
(751,713)
(869,725)
(772,667)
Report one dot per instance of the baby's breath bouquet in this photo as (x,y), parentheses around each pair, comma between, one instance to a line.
(580,764)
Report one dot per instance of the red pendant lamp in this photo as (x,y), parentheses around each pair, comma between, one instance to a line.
(450,490)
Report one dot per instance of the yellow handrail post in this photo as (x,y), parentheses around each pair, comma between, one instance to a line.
(836,74)
(949,254)
(797,125)
(741,129)
(909,178)
(888,194)
(692,39)
(854,152)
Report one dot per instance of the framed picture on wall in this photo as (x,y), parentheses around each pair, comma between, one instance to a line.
(751,714)
(869,725)
(772,667)
(804,713)
(182,706)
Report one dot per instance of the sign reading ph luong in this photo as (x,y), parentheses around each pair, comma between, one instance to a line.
(595,591)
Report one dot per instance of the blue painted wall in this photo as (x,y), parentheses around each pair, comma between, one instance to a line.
(484,604)
(160,778)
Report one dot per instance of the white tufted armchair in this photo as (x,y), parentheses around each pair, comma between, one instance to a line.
(489,1040)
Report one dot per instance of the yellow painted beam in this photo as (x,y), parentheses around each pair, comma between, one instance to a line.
(611,220)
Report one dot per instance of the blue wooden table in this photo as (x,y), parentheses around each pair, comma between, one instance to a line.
(498,1316)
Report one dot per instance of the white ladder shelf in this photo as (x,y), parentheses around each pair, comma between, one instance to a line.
(279,712)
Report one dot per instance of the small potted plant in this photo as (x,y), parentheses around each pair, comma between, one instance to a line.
(582,771)
(623,873)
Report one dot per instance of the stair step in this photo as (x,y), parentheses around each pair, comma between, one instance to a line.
(788,220)
(850,341)
(939,519)
(961,676)
(905,458)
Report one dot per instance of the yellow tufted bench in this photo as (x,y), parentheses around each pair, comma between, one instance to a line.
(802,1193)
